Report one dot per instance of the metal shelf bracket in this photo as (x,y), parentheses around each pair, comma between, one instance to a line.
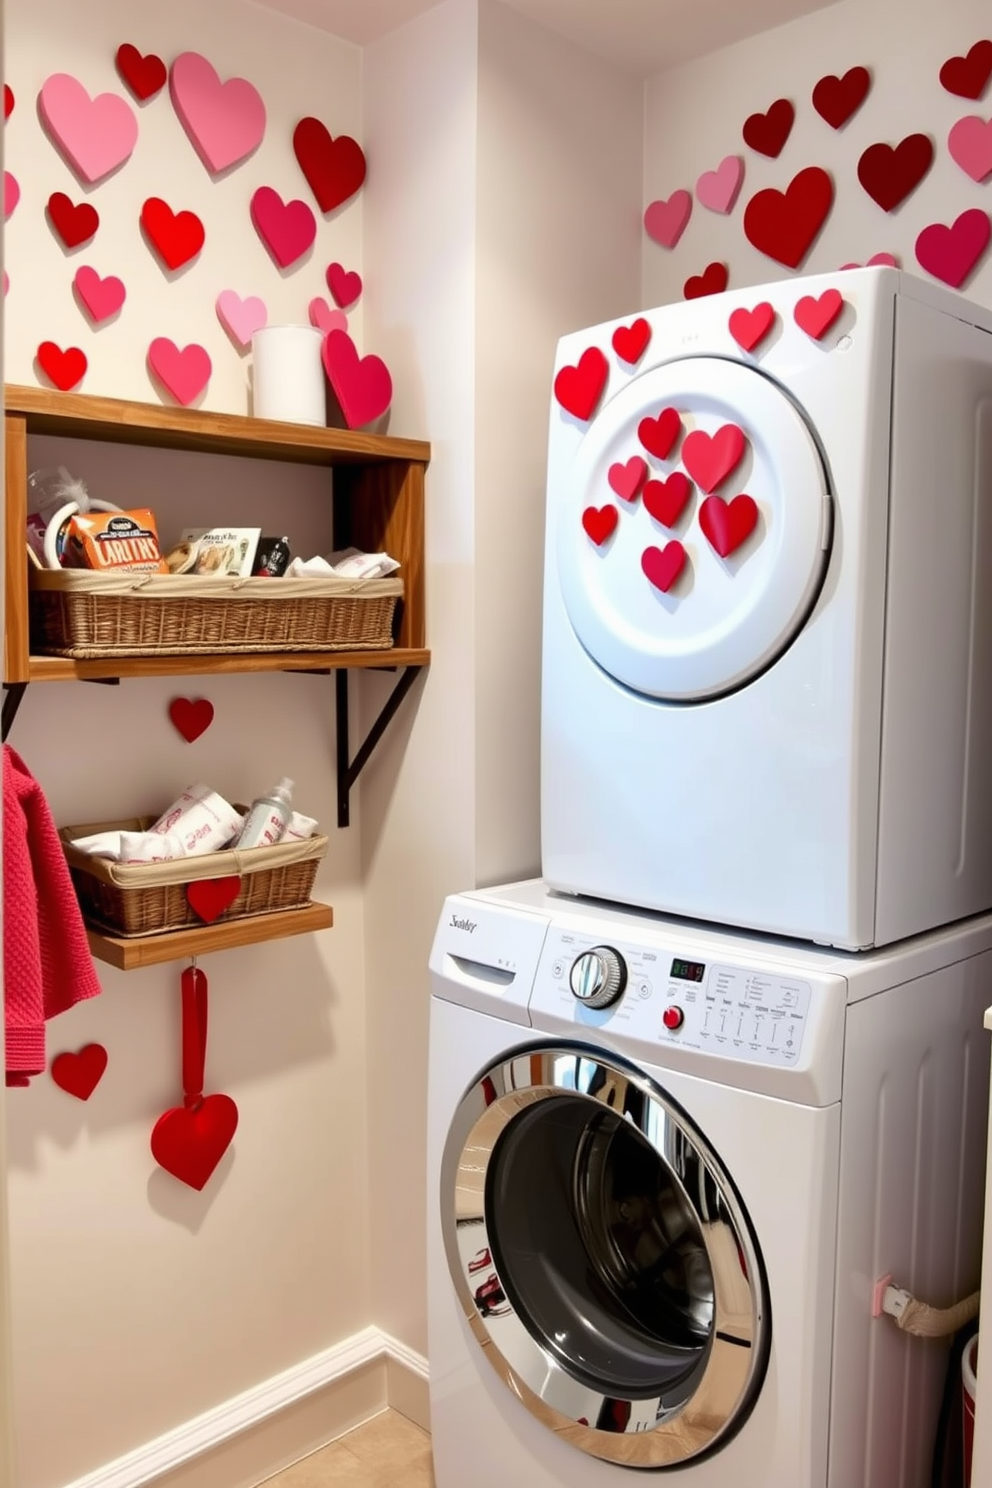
(348,773)
(13,696)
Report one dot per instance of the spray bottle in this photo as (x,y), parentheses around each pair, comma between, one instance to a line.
(267,818)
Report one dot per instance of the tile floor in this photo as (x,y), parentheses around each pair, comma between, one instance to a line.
(387,1452)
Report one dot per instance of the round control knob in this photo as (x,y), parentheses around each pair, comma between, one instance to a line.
(673,1017)
(598,977)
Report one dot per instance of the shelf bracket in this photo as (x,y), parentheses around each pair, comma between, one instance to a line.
(349,773)
(12,699)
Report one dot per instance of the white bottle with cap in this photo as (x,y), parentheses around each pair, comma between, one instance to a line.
(267,818)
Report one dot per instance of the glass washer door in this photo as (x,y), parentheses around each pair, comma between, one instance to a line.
(603,1258)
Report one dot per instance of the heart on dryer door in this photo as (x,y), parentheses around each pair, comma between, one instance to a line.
(726,525)
(630,342)
(666,500)
(658,435)
(627,480)
(710,458)
(599,523)
(579,388)
(662,566)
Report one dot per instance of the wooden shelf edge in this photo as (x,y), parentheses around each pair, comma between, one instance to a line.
(62,669)
(176,945)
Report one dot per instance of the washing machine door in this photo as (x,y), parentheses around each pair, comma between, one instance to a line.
(602,1257)
(694,529)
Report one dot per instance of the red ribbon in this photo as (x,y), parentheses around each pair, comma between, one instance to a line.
(194,987)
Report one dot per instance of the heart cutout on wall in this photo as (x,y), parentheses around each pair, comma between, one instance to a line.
(578,389)
(665,221)
(718,189)
(94,135)
(890,173)
(713,280)
(950,253)
(344,286)
(783,225)
(241,318)
(968,76)
(324,318)
(631,342)
(102,298)
(666,500)
(726,525)
(182,372)
(66,369)
(970,146)
(80,1073)
(599,523)
(362,385)
(11,194)
(768,132)
(190,1142)
(225,122)
(145,76)
(287,229)
(8,101)
(73,225)
(662,566)
(658,435)
(750,327)
(710,458)
(176,237)
(334,168)
(211,897)
(837,99)
(191,717)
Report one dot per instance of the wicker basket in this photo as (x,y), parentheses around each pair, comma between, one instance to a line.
(150,898)
(79,614)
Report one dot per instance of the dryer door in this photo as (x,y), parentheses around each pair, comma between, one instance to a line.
(694,529)
(602,1257)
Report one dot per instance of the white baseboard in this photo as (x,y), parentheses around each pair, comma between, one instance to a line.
(406,1373)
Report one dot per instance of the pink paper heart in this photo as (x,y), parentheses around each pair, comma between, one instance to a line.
(363,387)
(889,260)
(717,189)
(11,194)
(95,135)
(6,281)
(970,146)
(184,373)
(950,253)
(665,221)
(242,318)
(326,319)
(344,287)
(286,228)
(102,297)
(225,121)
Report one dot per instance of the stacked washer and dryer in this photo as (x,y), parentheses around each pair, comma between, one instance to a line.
(695,1091)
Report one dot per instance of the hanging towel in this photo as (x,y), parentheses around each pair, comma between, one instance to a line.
(47,965)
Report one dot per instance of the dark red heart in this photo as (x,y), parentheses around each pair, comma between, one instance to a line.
(145,76)
(334,168)
(783,224)
(600,522)
(889,173)
(8,101)
(79,1074)
(816,316)
(710,458)
(211,897)
(950,253)
(658,435)
(190,1143)
(837,98)
(665,500)
(74,225)
(578,389)
(191,716)
(662,566)
(630,342)
(967,76)
(176,237)
(344,286)
(768,132)
(727,525)
(713,280)
(750,327)
(66,369)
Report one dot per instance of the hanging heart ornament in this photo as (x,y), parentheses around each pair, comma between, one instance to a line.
(190,1140)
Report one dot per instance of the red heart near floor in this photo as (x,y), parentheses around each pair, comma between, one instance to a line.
(750,327)
(334,168)
(362,385)
(889,173)
(658,435)
(783,224)
(145,76)
(74,225)
(578,389)
(630,342)
(768,132)
(726,525)
(662,566)
(190,1143)
(627,480)
(177,237)
(599,523)
(79,1074)
(191,716)
(816,316)
(710,458)
(211,897)
(665,500)
(66,369)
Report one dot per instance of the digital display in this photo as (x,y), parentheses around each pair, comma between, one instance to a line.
(688,971)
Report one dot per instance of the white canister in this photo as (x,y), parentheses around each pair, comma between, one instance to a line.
(288,375)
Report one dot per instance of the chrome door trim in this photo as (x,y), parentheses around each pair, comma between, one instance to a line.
(727,1380)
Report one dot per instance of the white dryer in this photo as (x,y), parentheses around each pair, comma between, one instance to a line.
(767,663)
(666,1167)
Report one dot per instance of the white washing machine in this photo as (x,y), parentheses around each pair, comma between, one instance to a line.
(667,1165)
(767,665)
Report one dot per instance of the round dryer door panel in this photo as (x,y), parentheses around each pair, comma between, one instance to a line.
(694,533)
(603,1258)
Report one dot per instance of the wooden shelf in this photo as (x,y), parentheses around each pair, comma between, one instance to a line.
(61,669)
(177,945)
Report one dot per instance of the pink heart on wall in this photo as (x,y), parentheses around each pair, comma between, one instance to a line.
(95,135)
(950,253)
(184,373)
(11,194)
(324,318)
(889,260)
(665,221)
(718,189)
(344,286)
(362,386)
(286,228)
(970,146)
(225,121)
(102,297)
(241,318)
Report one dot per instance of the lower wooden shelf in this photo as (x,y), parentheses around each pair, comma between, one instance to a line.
(128,954)
(62,669)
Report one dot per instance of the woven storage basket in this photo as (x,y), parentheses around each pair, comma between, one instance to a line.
(79,614)
(150,898)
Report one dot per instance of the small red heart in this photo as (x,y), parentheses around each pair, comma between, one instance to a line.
(190,1143)
(710,458)
(663,566)
(628,479)
(665,500)
(79,1074)
(658,435)
(211,897)
(74,225)
(578,389)
(65,368)
(176,237)
(967,76)
(837,99)
(768,132)
(889,173)
(783,224)
(362,385)
(145,76)
(8,101)
(191,716)
(750,327)
(334,168)
(713,280)
(344,286)
(816,316)
(630,342)
(726,525)
(600,523)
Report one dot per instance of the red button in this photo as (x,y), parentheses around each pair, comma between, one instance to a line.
(673,1018)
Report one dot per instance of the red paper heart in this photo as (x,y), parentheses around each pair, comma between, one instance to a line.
(710,458)
(630,342)
(176,237)
(211,897)
(600,522)
(287,229)
(145,76)
(344,286)
(191,716)
(662,566)
(8,101)
(658,435)
(713,280)
(362,386)
(816,316)
(65,368)
(950,253)
(79,1074)
(889,174)
(750,327)
(334,168)
(727,524)
(665,500)
(190,1143)
(768,132)
(628,479)
(74,225)
(836,99)
(783,224)
(967,76)
(578,388)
